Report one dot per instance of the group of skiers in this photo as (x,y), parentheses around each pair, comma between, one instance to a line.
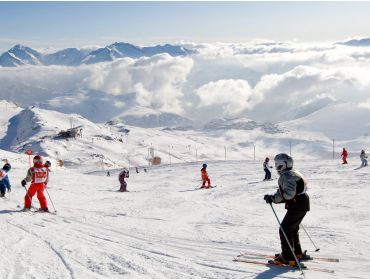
(38,175)
(363,157)
(292,191)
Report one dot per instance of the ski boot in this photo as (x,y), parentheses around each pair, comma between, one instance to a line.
(46,210)
(280,260)
(303,256)
(25,209)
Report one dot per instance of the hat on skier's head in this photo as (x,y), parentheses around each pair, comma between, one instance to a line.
(7,167)
(37,159)
(204,165)
(283,162)
(267,159)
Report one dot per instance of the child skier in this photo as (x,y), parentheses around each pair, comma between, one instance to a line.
(38,175)
(205,177)
(363,157)
(292,192)
(121,177)
(266,169)
(4,180)
(344,156)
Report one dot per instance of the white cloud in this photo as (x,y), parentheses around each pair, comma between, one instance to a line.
(262,80)
(156,80)
(365,104)
(231,97)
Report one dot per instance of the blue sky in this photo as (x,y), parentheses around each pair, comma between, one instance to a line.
(62,24)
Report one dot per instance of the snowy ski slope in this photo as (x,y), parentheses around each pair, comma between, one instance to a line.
(164,229)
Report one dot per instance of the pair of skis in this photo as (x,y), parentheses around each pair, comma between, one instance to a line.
(251,257)
(35,210)
(199,188)
(202,188)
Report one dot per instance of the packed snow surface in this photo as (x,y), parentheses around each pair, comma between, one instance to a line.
(162,228)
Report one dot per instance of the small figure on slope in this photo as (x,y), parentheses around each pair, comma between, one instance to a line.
(38,175)
(121,177)
(292,192)
(344,156)
(108,173)
(363,157)
(4,180)
(266,169)
(205,178)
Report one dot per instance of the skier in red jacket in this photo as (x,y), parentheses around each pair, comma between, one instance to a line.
(38,175)
(344,156)
(205,177)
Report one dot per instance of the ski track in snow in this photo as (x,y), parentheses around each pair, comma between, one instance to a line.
(160,231)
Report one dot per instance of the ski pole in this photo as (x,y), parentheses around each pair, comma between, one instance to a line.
(317,249)
(287,240)
(28,195)
(51,200)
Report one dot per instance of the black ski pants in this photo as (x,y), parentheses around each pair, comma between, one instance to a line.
(123,187)
(290,225)
(267,174)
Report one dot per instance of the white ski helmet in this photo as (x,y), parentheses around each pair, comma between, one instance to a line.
(283,162)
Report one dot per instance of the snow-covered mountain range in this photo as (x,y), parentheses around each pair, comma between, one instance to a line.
(22,55)
(117,143)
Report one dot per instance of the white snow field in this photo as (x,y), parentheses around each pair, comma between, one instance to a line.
(164,229)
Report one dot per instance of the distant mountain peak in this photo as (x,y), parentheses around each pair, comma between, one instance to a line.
(23,55)
(20,55)
(360,42)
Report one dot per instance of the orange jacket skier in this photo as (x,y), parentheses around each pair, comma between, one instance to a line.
(205,177)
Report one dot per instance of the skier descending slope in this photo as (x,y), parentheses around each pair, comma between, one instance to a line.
(292,191)
(4,180)
(344,156)
(363,157)
(121,177)
(266,169)
(38,176)
(205,178)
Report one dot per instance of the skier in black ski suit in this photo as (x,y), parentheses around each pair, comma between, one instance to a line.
(292,192)
(266,169)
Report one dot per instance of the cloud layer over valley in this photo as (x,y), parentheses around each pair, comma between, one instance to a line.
(261,80)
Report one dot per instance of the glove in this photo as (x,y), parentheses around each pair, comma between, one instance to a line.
(24,183)
(269,198)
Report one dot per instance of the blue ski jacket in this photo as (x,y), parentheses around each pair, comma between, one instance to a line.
(5,183)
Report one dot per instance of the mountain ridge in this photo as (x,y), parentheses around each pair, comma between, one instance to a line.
(22,55)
